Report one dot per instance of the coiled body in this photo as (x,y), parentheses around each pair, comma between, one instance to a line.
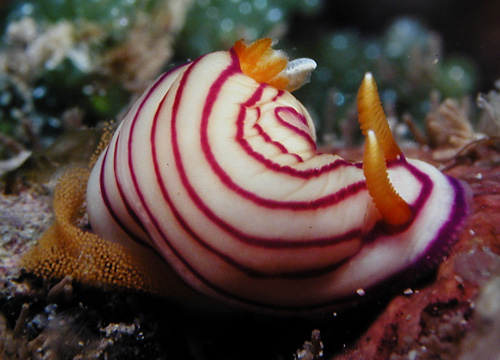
(220,175)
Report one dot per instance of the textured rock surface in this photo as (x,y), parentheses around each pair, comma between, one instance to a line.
(432,321)
(23,217)
(441,317)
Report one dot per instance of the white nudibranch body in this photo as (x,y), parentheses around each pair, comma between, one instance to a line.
(220,175)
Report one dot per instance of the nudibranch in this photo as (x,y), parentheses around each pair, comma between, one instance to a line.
(215,171)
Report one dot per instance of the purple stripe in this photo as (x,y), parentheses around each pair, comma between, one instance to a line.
(438,247)
(433,254)
(131,212)
(268,139)
(109,207)
(154,220)
(381,228)
(275,243)
(423,196)
(125,200)
(325,201)
(149,214)
(295,129)
(161,182)
(277,144)
(288,170)
(278,95)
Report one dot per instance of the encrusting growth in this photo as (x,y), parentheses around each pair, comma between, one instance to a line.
(67,250)
(64,249)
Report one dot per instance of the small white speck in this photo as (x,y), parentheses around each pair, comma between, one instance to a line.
(472,232)
(334,314)
(479,176)
(361,292)
(408,292)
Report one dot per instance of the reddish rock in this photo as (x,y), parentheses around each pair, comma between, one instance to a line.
(432,322)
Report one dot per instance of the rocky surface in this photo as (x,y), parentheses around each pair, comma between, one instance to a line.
(450,315)
(432,321)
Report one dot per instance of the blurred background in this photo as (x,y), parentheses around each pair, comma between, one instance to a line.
(66,65)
